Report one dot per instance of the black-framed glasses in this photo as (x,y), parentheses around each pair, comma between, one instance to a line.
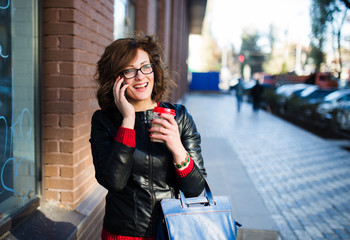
(132,72)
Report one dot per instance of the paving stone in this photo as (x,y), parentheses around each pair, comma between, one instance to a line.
(303,180)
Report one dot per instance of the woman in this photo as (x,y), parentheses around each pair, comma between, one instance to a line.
(137,172)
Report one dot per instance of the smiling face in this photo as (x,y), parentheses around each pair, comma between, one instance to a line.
(140,87)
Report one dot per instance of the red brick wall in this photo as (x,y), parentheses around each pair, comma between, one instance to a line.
(179,47)
(75,35)
(146,16)
(169,20)
(163,28)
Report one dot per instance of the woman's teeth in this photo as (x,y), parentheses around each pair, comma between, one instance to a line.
(141,86)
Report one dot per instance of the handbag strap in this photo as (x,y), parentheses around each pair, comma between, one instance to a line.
(207,193)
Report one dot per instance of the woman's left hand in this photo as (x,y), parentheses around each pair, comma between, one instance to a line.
(170,135)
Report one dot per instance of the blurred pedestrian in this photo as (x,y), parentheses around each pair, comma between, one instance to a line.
(239,94)
(136,171)
(256,93)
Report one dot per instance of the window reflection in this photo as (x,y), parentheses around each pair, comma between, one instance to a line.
(17,77)
(124,18)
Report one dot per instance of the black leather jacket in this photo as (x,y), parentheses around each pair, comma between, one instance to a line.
(138,178)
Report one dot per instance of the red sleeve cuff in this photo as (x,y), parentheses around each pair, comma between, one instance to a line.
(184,172)
(126,136)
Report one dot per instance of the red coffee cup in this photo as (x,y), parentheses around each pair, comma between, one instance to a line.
(156,114)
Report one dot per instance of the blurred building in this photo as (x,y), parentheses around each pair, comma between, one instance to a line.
(48,55)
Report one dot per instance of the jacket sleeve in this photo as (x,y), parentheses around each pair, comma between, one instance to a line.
(112,160)
(193,184)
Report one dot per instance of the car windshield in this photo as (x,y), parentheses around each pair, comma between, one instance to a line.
(308,91)
(333,96)
(283,88)
(319,93)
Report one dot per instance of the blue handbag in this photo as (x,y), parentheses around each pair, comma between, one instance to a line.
(197,218)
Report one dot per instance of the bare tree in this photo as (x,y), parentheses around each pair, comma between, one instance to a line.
(324,13)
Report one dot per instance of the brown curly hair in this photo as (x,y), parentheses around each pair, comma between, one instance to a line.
(115,59)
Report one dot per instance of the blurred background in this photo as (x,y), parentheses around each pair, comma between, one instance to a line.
(302,44)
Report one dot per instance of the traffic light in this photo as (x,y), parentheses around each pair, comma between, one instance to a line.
(241,58)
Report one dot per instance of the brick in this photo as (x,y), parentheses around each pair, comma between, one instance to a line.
(59,81)
(85,32)
(67,68)
(85,154)
(97,48)
(59,133)
(94,5)
(67,197)
(108,4)
(67,42)
(59,107)
(85,57)
(77,17)
(51,42)
(94,105)
(76,68)
(51,146)
(95,35)
(60,55)
(67,15)
(67,94)
(82,106)
(51,67)
(52,171)
(61,4)
(61,158)
(52,195)
(51,120)
(67,146)
(60,28)
(77,169)
(86,176)
(68,172)
(101,30)
(85,93)
(80,193)
(59,183)
(51,94)
(73,146)
(84,81)
(84,130)
(78,43)
(70,120)
(51,15)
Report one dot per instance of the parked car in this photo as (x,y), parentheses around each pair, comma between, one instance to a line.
(312,95)
(334,100)
(285,92)
(332,104)
(342,118)
(303,103)
(288,89)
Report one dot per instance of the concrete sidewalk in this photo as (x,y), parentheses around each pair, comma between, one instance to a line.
(284,182)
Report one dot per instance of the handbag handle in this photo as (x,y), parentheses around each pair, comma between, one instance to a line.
(208,196)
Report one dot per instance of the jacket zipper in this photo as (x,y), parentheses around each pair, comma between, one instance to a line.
(150,162)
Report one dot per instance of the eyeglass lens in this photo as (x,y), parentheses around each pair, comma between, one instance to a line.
(132,72)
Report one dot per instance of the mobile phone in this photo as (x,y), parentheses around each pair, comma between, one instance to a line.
(121,85)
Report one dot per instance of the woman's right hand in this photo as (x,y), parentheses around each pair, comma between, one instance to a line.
(123,105)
